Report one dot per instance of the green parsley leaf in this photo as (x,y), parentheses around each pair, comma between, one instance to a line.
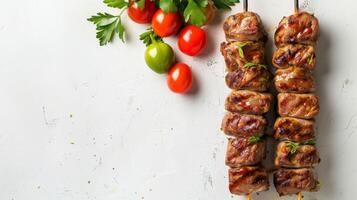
(202,3)
(240,48)
(116,3)
(254,139)
(107,26)
(225,4)
(120,30)
(310,142)
(194,13)
(141,4)
(310,59)
(250,65)
(293,146)
(168,6)
(263,66)
(148,35)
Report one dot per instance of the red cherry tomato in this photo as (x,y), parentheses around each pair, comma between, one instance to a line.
(142,16)
(191,40)
(179,78)
(166,24)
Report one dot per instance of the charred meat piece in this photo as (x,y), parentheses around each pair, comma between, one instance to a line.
(242,125)
(244,26)
(294,155)
(293,181)
(253,78)
(289,128)
(296,55)
(237,54)
(304,106)
(245,151)
(245,180)
(295,80)
(302,28)
(249,102)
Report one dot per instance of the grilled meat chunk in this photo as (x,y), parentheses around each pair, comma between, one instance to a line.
(304,106)
(289,128)
(302,28)
(296,55)
(295,80)
(237,54)
(245,180)
(294,155)
(245,151)
(253,78)
(249,102)
(242,125)
(293,181)
(244,26)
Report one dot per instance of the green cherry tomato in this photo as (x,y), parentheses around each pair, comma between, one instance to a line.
(159,56)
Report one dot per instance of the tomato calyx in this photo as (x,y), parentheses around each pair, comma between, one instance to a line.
(149,36)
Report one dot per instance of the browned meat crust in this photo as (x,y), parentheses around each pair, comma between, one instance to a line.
(237,54)
(242,125)
(293,181)
(254,78)
(302,28)
(242,152)
(295,80)
(248,102)
(304,106)
(289,128)
(244,26)
(304,156)
(245,180)
(296,55)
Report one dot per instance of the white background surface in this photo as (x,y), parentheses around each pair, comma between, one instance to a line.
(79,121)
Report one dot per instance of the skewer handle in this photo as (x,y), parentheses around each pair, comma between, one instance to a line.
(249,197)
(296,6)
(299,196)
(245,5)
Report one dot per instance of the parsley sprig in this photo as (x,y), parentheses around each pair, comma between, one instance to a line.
(251,64)
(109,25)
(310,142)
(225,4)
(254,139)
(310,60)
(294,146)
(240,46)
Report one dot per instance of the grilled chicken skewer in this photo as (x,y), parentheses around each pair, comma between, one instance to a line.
(296,154)
(248,77)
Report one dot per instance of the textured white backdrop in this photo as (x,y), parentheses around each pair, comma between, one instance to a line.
(79,121)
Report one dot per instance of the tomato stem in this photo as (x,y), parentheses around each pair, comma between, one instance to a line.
(153,40)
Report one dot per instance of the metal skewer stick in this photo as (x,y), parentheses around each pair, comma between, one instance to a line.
(296,6)
(296,9)
(245,5)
